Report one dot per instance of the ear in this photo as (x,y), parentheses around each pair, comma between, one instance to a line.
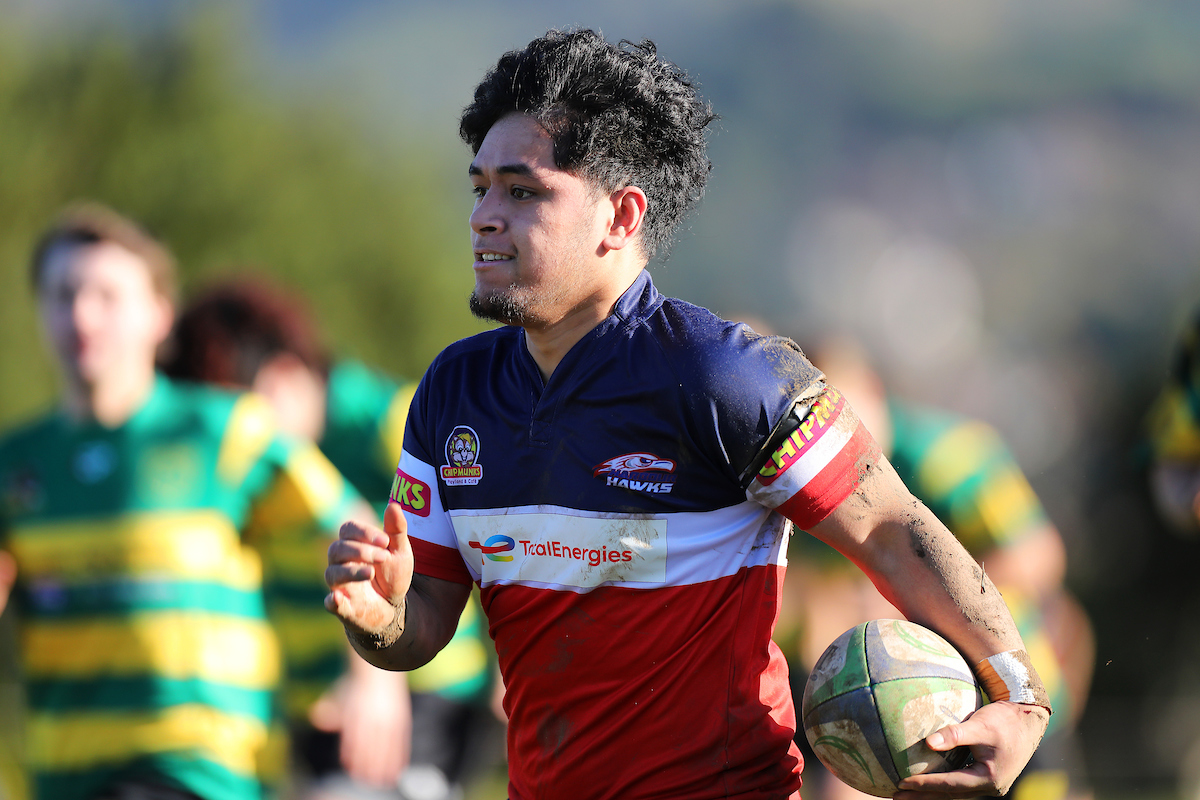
(629,209)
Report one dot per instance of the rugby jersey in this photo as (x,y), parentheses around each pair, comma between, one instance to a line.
(365,412)
(630,558)
(144,639)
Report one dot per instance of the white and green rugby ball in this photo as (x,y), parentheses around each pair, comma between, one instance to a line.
(876,693)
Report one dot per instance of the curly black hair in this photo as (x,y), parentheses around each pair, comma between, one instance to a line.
(617,116)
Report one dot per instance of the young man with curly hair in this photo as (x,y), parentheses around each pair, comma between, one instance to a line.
(619,472)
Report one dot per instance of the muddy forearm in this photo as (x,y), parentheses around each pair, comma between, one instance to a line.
(425,621)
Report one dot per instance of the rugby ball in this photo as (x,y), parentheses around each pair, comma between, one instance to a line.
(876,693)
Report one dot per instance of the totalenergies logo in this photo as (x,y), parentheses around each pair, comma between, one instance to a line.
(494,546)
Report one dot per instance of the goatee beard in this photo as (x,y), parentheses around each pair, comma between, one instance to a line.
(501,306)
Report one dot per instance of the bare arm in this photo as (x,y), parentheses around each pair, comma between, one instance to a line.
(8,576)
(395,619)
(918,565)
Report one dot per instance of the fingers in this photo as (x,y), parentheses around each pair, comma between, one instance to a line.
(352,556)
(947,738)
(394,522)
(8,576)
(1002,736)
(971,781)
(355,531)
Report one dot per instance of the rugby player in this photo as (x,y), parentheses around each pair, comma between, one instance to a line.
(252,334)
(128,527)
(620,471)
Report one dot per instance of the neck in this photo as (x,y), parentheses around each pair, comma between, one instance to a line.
(549,343)
(110,402)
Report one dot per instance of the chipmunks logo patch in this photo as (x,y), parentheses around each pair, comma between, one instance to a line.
(462,467)
(638,472)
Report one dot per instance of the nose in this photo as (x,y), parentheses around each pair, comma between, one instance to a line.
(486,216)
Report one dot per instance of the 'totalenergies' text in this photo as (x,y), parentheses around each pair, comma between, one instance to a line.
(560,550)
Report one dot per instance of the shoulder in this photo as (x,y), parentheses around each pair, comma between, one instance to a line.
(933,436)
(358,393)
(31,433)
(727,359)
(208,406)
(482,344)
(474,352)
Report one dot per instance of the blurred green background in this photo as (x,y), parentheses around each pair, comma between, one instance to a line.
(1000,199)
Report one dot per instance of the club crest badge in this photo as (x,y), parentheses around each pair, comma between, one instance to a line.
(94,462)
(638,472)
(462,467)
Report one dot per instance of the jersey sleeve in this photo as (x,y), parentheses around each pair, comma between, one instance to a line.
(287,482)
(817,456)
(415,490)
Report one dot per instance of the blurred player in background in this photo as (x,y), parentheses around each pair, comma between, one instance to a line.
(1173,439)
(126,541)
(251,334)
(963,472)
(617,470)
(1174,431)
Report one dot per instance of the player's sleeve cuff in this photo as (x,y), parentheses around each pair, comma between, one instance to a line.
(436,561)
(833,484)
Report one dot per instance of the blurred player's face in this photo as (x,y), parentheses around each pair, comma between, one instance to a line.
(536,230)
(101,312)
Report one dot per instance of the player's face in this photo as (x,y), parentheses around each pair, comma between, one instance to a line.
(101,312)
(536,229)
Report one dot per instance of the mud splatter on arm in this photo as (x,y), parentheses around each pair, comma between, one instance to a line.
(917,564)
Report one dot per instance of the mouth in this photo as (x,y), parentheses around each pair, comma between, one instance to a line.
(489,257)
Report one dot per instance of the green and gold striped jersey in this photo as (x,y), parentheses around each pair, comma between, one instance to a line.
(961,469)
(144,638)
(364,434)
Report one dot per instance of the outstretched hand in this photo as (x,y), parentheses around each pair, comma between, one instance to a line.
(369,572)
(1002,737)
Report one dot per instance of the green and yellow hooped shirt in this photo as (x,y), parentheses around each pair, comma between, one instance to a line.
(364,434)
(145,642)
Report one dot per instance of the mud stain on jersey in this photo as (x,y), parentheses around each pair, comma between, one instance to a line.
(553,730)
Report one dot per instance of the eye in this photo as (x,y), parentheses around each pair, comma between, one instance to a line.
(479,191)
(521,193)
